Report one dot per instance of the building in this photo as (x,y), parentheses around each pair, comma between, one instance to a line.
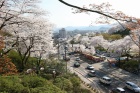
(62,33)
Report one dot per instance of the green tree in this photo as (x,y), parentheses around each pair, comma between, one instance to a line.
(123,33)
(76,83)
(72,42)
(63,84)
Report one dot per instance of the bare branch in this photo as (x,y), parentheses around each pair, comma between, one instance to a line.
(98,12)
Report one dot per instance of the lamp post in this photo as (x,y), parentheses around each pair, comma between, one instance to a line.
(119,55)
(54,74)
(139,54)
(65,47)
(59,44)
(58,49)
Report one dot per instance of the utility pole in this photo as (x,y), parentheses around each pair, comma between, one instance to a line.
(58,49)
(139,54)
(65,56)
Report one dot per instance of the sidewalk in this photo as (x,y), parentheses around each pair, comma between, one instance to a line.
(119,73)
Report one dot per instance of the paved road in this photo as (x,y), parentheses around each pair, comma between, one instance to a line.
(94,81)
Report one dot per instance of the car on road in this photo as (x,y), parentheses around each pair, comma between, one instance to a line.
(105,80)
(132,86)
(90,67)
(118,90)
(91,73)
(67,58)
(77,59)
(76,64)
(70,53)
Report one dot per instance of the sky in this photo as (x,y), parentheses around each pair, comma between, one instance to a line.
(62,16)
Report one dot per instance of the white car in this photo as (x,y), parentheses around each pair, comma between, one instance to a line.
(105,80)
(90,67)
(91,73)
(132,86)
(77,59)
(118,90)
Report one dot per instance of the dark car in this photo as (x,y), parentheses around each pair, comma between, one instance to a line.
(118,90)
(76,64)
(67,58)
(70,53)
(92,73)
(90,67)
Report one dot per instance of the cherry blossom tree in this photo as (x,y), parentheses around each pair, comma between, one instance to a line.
(85,40)
(13,12)
(121,46)
(107,14)
(77,37)
(34,39)
(97,40)
(14,16)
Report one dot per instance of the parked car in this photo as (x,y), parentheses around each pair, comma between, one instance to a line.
(118,90)
(91,73)
(132,86)
(76,64)
(67,58)
(90,67)
(105,80)
(77,59)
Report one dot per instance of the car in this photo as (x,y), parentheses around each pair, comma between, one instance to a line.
(132,86)
(118,90)
(105,80)
(90,67)
(70,53)
(92,73)
(67,58)
(76,64)
(77,59)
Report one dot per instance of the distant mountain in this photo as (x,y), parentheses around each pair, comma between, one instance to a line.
(97,28)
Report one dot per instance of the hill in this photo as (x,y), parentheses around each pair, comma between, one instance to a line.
(85,28)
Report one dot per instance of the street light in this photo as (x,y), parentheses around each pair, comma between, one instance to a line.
(65,47)
(139,54)
(54,74)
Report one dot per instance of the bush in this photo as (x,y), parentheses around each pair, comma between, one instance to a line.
(131,65)
(47,76)
(33,82)
(63,84)
(11,85)
(27,84)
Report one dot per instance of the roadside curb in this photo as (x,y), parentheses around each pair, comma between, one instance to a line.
(89,86)
(95,90)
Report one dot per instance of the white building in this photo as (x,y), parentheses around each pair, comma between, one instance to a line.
(62,33)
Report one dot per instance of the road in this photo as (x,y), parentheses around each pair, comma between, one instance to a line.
(94,81)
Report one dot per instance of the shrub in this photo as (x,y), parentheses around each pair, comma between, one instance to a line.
(131,65)
(11,85)
(27,84)
(33,82)
(47,76)
(63,84)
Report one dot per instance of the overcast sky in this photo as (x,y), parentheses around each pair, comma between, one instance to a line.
(62,16)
